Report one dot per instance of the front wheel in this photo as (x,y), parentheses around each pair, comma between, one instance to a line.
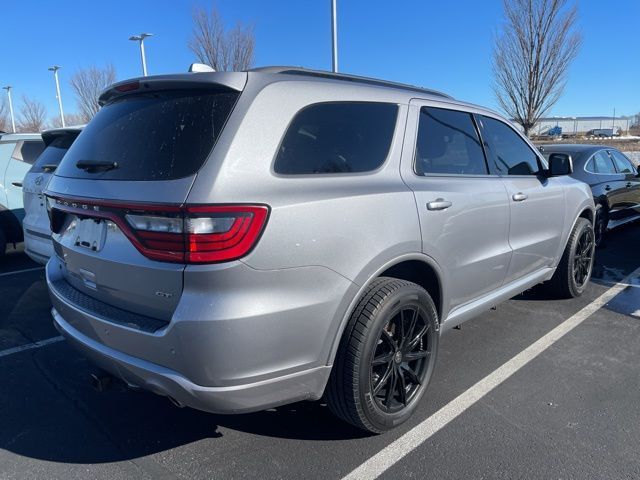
(574,271)
(386,356)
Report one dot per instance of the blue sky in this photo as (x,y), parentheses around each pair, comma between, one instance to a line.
(434,43)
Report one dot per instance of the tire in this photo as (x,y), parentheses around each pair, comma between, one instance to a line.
(574,271)
(600,225)
(357,391)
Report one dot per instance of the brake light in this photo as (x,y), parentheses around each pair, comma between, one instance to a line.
(184,234)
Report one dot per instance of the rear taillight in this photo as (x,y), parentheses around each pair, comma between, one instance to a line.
(184,234)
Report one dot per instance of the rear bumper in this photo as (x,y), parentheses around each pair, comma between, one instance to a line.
(37,244)
(257,340)
(163,381)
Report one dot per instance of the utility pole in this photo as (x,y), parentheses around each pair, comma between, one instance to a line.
(140,38)
(55,69)
(334,36)
(13,122)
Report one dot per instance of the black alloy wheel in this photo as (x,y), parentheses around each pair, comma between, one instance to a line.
(400,359)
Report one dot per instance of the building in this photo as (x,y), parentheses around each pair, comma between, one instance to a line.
(581,125)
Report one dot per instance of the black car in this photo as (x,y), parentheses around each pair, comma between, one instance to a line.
(614,181)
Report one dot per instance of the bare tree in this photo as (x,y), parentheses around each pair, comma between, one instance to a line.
(88,83)
(218,47)
(70,119)
(33,116)
(531,57)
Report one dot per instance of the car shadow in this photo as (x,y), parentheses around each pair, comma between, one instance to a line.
(614,261)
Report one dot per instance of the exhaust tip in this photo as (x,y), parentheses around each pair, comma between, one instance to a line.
(175,402)
(99,381)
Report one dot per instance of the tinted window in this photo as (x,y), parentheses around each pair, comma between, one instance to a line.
(623,164)
(151,136)
(511,154)
(28,150)
(337,138)
(53,153)
(601,163)
(448,143)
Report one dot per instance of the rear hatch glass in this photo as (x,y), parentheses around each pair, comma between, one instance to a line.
(158,135)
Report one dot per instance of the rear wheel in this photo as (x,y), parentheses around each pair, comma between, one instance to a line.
(574,271)
(386,356)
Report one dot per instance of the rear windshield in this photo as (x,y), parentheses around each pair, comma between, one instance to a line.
(54,152)
(152,136)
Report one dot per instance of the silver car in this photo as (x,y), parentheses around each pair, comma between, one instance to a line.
(238,241)
(37,234)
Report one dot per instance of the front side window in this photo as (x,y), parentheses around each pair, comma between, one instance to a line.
(341,137)
(448,143)
(623,164)
(511,154)
(601,163)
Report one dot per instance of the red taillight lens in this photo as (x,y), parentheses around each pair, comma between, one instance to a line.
(222,233)
(185,234)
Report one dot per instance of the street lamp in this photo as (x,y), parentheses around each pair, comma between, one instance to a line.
(55,69)
(334,36)
(13,122)
(140,38)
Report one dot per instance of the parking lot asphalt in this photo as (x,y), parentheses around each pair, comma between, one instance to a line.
(571,412)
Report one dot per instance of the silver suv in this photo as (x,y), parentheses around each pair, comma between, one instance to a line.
(238,241)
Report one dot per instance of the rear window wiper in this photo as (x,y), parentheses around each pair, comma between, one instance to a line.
(96,165)
(49,167)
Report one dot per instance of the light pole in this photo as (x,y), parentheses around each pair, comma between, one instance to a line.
(55,69)
(140,38)
(13,122)
(334,37)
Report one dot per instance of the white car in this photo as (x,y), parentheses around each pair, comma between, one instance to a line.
(37,233)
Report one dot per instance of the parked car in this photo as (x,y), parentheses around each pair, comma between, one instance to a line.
(603,132)
(242,240)
(18,151)
(614,181)
(36,229)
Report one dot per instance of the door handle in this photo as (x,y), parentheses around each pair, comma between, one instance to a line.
(439,204)
(17,184)
(519,197)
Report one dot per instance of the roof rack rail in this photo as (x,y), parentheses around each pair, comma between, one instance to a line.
(348,78)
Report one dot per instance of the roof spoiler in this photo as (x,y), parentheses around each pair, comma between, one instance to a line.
(234,81)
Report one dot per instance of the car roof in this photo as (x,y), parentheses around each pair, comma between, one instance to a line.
(20,136)
(49,135)
(581,148)
(356,79)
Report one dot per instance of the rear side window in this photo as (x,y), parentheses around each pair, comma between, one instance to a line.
(448,143)
(511,154)
(159,135)
(623,164)
(28,151)
(601,163)
(342,137)
(50,158)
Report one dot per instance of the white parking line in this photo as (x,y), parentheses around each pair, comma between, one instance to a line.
(6,274)
(30,346)
(398,449)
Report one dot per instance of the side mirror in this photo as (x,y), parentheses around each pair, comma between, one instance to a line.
(560,164)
